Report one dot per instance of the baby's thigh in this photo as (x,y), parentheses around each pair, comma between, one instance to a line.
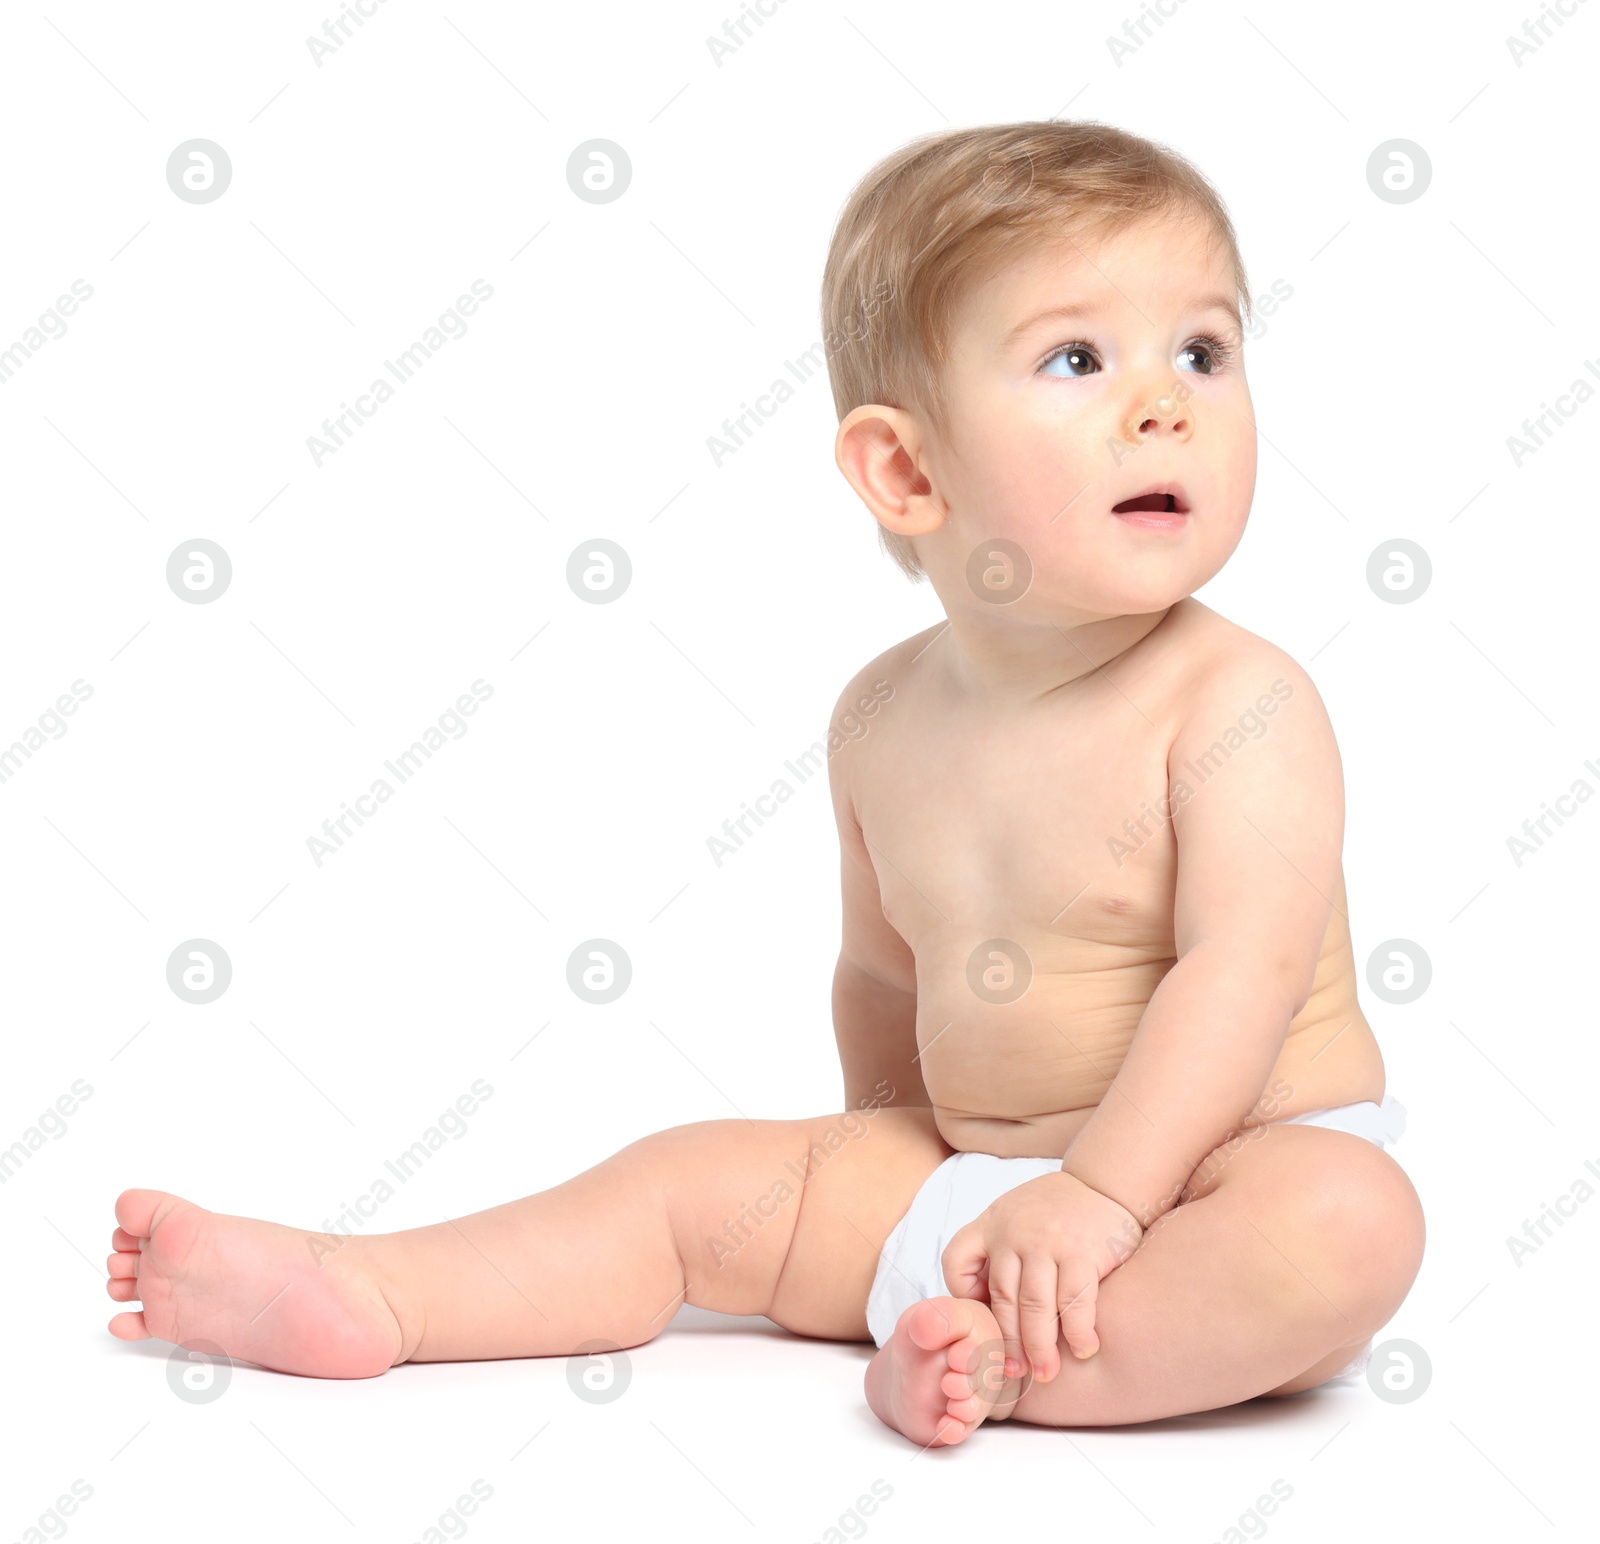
(1337,1211)
(860,1173)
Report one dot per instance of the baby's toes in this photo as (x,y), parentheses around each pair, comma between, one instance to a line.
(976,1378)
(124,1241)
(970,1391)
(136,1210)
(957,1385)
(122,1269)
(962,1401)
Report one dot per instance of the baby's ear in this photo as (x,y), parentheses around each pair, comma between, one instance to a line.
(878,449)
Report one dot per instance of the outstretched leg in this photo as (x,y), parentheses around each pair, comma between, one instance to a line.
(783,1218)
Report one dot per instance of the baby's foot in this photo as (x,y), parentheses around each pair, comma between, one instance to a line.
(255,1289)
(941,1373)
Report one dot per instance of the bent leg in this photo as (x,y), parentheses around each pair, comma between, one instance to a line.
(1289,1257)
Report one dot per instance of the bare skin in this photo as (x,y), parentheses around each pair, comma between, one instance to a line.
(1091,830)
(1206,1313)
(1100,936)
(1191,978)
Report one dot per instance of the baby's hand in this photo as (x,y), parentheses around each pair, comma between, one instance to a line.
(1037,1254)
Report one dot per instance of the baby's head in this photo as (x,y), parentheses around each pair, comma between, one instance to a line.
(992,440)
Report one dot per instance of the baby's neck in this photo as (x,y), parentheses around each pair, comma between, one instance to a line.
(1017,659)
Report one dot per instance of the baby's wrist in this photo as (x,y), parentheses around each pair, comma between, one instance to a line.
(1132,1221)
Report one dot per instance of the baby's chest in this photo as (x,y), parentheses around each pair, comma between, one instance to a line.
(1070,835)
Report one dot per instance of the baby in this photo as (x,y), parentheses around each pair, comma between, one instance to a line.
(1114,1144)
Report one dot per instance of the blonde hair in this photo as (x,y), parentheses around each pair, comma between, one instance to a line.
(933,219)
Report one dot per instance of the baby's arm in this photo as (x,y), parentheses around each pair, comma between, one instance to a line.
(875,982)
(1258,862)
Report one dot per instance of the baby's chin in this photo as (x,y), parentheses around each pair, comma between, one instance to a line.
(1066,598)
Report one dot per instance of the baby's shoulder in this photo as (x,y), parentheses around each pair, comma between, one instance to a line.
(1221,662)
(887,673)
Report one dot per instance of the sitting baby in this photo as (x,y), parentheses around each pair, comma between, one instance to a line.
(1114,1145)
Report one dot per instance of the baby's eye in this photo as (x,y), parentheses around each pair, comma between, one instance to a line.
(1078,359)
(1205,356)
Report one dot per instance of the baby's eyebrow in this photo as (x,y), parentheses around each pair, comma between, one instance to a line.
(1081,308)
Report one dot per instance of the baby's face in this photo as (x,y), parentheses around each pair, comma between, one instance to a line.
(1055,420)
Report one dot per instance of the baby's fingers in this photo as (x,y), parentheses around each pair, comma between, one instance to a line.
(1005,1272)
(963,1263)
(1037,1303)
(1078,1288)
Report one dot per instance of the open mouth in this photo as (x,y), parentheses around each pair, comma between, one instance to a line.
(1165,499)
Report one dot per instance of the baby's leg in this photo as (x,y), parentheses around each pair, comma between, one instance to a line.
(783,1218)
(1268,1281)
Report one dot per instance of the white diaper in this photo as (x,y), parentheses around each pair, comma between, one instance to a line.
(967,1184)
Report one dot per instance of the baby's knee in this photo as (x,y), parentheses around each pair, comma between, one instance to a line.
(1370,1230)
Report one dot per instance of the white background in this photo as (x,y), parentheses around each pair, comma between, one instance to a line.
(368,593)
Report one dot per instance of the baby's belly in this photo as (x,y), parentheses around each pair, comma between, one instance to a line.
(1020,1079)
